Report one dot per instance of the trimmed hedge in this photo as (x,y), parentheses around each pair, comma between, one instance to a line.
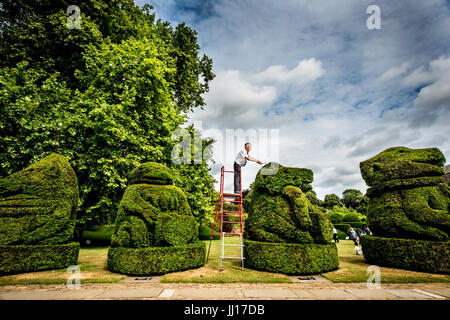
(38,204)
(175,230)
(291,258)
(284,176)
(156,260)
(204,233)
(344,227)
(28,258)
(151,173)
(400,163)
(410,254)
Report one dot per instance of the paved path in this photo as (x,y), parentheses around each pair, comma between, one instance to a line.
(230,291)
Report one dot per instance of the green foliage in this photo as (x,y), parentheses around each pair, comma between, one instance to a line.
(343,214)
(344,227)
(418,213)
(285,176)
(247,196)
(175,230)
(410,254)
(143,205)
(342,235)
(151,173)
(38,203)
(400,163)
(408,196)
(156,260)
(351,217)
(194,178)
(291,258)
(106,96)
(27,258)
(98,235)
(332,200)
(336,217)
(287,216)
(353,198)
(204,233)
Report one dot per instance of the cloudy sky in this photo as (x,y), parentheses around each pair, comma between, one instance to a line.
(338,92)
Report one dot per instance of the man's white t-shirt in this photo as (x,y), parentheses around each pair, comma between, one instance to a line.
(240,158)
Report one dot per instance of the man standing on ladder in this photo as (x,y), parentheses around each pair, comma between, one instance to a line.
(241,160)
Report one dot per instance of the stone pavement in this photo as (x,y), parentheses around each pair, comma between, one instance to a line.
(231,291)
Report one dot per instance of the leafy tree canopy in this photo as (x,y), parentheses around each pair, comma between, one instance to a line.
(331,200)
(107,96)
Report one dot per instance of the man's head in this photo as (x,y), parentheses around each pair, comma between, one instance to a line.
(248,146)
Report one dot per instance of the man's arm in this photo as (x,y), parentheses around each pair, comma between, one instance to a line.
(252,159)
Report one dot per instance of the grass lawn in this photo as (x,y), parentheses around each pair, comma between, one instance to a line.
(92,263)
(352,268)
(231,269)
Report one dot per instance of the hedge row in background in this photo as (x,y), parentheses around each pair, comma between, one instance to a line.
(291,258)
(37,257)
(411,254)
(156,260)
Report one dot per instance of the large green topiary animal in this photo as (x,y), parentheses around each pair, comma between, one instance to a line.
(38,204)
(37,217)
(154,223)
(286,233)
(280,212)
(408,196)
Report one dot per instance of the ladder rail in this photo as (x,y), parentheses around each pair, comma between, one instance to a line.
(215,215)
(221,200)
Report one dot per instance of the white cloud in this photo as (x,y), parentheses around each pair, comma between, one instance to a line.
(306,71)
(436,94)
(230,90)
(338,92)
(394,72)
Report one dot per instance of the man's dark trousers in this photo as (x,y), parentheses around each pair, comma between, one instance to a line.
(237,178)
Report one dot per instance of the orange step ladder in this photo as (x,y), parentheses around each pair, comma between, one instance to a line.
(231,214)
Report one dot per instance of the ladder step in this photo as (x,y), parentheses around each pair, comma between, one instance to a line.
(231,222)
(228,234)
(234,245)
(230,211)
(233,258)
(233,201)
(231,194)
(230,216)
(227,171)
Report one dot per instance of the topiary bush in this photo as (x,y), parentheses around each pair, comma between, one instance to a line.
(407,195)
(291,258)
(38,207)
(28,258)
(408,209)
(281,214)
(411,254)
(156,260)
(153,218)
(204,233)
(285,176)
(173,230)
(351,217)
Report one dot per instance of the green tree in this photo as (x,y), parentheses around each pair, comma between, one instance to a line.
(353,198)
(107,96)
(195,179)
(332,200)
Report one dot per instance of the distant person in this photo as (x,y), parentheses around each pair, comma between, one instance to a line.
(366,230)
(335,235)
(353,236)
(359,232)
